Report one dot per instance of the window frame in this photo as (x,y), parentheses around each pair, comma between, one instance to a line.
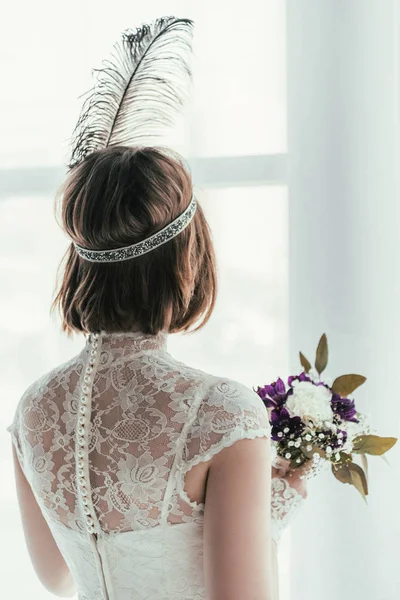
(208,172)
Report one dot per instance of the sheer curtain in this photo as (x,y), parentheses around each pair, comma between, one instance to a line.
(235,138)
(343,140)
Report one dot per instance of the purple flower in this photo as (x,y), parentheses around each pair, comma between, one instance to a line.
(339,439)
(273,395)
(301,377)
(280,419)
(344,407)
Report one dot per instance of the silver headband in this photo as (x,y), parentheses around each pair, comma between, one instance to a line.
(146,245)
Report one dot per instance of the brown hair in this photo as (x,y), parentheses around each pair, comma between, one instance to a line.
(114,198)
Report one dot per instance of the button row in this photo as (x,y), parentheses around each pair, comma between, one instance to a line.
(82,452)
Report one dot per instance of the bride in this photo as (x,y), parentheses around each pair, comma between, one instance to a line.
(139,476)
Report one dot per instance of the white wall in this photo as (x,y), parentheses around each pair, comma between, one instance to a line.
(345,271)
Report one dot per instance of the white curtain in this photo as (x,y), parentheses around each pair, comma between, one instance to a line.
(344,215)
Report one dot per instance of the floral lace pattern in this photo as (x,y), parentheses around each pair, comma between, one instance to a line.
(285,502)
(152,419)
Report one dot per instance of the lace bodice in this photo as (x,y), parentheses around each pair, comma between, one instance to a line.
(106,440)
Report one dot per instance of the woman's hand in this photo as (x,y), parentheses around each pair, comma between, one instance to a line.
(288,492)
(296,478)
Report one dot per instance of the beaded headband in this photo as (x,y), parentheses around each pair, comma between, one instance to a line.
(146,245)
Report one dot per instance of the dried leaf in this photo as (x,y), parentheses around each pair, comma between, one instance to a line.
(321,359)
(346,384)
(342,473)
(305,363)
(364,461)
(345,458)
(373,444)
(359,479)
(352,474)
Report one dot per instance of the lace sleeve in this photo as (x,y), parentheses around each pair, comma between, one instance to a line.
(285,503)
(13,429)
(229,413)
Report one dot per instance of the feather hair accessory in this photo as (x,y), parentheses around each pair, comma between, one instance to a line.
(138,91)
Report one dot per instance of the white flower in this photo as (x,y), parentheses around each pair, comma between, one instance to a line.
(313,374)
(353,430)
(310,402)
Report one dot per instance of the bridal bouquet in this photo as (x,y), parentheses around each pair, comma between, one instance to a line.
(316,419)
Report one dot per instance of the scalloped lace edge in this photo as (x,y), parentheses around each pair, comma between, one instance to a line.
(234,437)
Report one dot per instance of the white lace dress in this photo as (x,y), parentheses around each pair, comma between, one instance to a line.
(105,441)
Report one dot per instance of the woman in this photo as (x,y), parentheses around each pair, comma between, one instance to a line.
(132,467)
(137,475)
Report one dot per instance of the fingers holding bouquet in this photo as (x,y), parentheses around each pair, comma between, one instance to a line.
(295,477)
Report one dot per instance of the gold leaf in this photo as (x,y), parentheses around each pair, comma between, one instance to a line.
(345,458)
(373,444)
(364,461)
(321,359)
(346,384)
(352,474)
(305,363)
(359,479)
(342,472)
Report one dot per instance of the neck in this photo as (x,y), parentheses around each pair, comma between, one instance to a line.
(131,340)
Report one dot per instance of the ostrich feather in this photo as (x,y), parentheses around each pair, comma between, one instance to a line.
(138,91)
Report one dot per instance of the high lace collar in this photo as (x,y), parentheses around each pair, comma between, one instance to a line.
(136,341)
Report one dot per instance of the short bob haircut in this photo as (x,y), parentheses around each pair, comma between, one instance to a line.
(114,198)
